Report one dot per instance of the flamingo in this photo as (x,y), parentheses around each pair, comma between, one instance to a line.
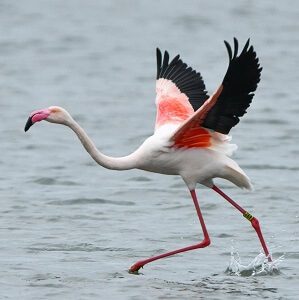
(191,132)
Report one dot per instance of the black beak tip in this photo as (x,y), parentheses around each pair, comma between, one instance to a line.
(29,123)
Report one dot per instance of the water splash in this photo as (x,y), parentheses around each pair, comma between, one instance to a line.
(259,266)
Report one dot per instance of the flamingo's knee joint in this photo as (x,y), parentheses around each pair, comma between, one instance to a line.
(255,223)
(205,243)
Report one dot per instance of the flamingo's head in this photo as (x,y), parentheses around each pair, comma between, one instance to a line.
(53,114)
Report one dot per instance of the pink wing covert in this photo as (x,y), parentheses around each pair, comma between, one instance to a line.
(173,106)
(179,90)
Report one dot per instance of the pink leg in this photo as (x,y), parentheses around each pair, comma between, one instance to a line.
(254,221)
(206,241)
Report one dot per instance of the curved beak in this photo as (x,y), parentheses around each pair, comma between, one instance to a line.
(29,123)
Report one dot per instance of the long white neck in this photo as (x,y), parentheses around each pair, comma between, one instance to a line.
(113,163)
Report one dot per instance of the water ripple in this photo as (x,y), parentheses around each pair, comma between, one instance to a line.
(91,201)
(139,178)
(84,247)
(270,167)
(53,181)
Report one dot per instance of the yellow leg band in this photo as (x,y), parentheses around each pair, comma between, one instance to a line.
(248,216)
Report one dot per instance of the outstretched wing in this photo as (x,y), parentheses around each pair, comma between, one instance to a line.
(180,90)
(239,83)
(223,109)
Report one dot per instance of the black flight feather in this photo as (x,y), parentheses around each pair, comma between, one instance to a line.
(239,83)
(184,77)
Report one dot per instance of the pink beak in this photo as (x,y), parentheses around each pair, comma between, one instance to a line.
(36,116)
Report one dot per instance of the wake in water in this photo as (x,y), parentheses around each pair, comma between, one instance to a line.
(259,266)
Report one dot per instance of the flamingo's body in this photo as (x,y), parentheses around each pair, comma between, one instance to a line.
(194,165)
(190,137)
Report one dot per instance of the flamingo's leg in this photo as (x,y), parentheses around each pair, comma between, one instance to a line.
(254,221)
(206,241)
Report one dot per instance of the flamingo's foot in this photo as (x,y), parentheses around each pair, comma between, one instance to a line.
(136,267)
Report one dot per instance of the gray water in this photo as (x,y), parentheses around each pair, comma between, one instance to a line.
(70,229)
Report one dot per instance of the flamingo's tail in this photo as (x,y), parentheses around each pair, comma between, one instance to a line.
(236,175)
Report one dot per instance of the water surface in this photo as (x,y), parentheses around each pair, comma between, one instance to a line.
(70,229)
